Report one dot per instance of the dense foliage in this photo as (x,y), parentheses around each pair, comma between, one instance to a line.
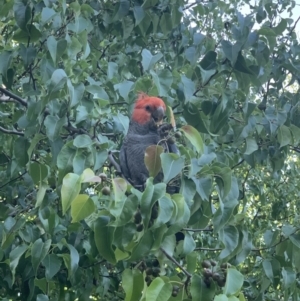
(71,227)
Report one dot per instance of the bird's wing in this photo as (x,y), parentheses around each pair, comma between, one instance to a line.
(123,163)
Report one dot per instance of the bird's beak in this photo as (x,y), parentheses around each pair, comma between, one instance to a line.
(158,115)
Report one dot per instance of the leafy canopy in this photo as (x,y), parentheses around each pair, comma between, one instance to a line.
(71,228)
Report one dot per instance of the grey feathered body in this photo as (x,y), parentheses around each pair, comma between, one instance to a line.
(132,152)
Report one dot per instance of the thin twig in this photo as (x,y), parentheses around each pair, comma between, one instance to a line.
(198,230)
(93,264)
(12,132)
(5,98)
(190,5)
(292,29)
(16,97)
(280,241)
(15,179)
(208,249)
(239,163)
(171,258)
(113,162)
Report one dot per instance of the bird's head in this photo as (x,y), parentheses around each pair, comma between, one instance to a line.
(148,108)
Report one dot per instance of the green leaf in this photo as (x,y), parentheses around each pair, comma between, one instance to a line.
(22,14)
(66,156)
(203,187)
(251,146)
(82,141)
(53,126)
(21,146)
(99,158)
(206,75)
(39,250)
(73,260)
(166,208)
(172,165)
(234,282)
(284,136)
(38,172)
(144,246)
(224,213)
(281,27)
(122,9)
(41,297)
(119,188)
(52,264)
(288,276)
(124,88)
(272,269)
(241,65)
(153,160)
(221,297)
(191,262)
(28,54)
(36,139)
(149,3)
(14,258)
(133,284)
(295,239)
(231,51)
(230,238)
(52,47)
(103,238)
(5,60)
(58,81)
(191,55)
(181,215)
(199,289)
(194,137)
(188,87)
(98,93)
(139,14)
(70,190)
(30,33)
(88,176)
(128,25)
(148,60)
(163,80)
(146,201)
(269,34)
(188,244)
(166,23)
(219,120)
(158,290)
(209,60)
(76,92)
(81,207)
(47,14)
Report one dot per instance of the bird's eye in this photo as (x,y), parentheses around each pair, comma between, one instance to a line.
(148,108)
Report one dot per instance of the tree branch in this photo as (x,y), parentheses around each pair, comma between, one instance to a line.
(16,97)
(113,162)
(239,163)
(12,132)
(171,258)
(294,26)
(198,230)
(5,98)
(15,179)
(208,249)
(280,241)
(295,149)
